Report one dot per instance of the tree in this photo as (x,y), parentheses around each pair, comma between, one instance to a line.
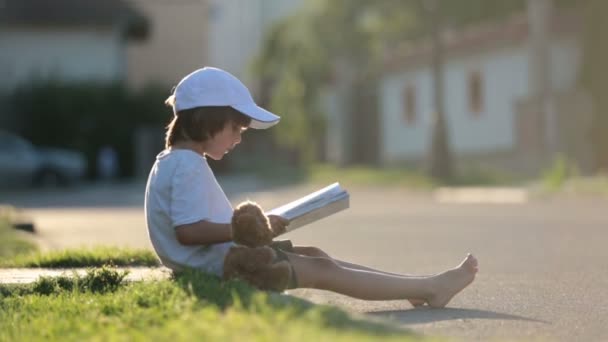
(298,55)
(595,76)
(440,166)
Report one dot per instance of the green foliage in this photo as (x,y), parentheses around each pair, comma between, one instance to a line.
(595,75)
(84,257)
(96,280)
(305,52)
(12,243)
(556,176)
(484,176)
(102,279)
(192,306)
(291,66)
(86,116)
(592,186)
(370,176)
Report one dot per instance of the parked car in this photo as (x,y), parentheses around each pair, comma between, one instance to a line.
(22,163)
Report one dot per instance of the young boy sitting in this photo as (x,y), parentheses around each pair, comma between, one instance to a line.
(188,215)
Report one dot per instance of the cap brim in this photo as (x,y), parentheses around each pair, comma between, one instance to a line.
(260,117)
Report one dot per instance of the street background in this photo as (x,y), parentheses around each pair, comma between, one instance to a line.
(543,263)
(457,126)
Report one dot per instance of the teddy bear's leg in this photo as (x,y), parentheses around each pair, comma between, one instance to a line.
(260,267)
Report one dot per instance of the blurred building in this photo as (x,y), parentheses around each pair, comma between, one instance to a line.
(66,39)
(494,113)
(237,28)
(177,43)
(71,40)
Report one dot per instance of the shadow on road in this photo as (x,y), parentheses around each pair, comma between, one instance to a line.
(429,315)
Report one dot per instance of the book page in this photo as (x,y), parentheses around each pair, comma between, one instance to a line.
(313,207)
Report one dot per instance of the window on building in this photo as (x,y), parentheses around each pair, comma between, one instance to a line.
(409,104)
(475,93)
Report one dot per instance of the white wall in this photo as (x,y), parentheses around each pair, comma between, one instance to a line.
(67,54)
(504,82)
(237,27)
(176,44)
(398,140)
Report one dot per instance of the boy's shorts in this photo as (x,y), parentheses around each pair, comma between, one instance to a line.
(280,247)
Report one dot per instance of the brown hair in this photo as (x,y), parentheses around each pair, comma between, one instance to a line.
(202,123)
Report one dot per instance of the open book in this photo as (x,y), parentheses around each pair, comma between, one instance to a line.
(313,207)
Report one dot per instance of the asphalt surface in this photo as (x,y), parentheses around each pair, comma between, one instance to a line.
(543,262)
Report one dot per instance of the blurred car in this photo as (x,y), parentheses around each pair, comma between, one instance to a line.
(23,164)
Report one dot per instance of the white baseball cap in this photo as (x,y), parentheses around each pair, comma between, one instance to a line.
(215,87)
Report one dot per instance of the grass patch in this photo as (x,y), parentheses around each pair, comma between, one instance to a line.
(563,177)
(191,306)
(403,177)
(597,185)
(370,176)
(554,177)
(96,280)
(484,176)
(89,257)
(12,243)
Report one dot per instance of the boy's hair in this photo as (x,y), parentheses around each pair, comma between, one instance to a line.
(202,123)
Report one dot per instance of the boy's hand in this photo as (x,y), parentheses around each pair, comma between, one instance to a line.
(278,224)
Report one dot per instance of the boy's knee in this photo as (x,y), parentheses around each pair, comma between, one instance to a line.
(311,251)
(324,264)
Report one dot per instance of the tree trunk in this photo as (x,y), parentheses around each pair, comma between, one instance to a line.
(440,157)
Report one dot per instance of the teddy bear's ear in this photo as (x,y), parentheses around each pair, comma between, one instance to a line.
(249,206)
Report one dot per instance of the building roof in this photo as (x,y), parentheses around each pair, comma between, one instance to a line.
(74,13)
(499,33)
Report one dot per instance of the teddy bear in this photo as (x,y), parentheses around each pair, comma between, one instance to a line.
(257,267)
(251,259)
(250,226)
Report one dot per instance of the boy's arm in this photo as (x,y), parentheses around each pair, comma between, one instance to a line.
(203,233)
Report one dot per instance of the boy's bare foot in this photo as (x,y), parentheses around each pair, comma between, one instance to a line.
(416,302)
(449,283)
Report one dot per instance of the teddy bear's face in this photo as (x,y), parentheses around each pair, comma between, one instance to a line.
(251,211)
(250,227)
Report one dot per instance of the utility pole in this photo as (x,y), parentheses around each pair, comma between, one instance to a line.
(539,23)
(440,157)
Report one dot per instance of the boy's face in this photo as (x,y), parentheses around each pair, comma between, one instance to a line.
(224,141)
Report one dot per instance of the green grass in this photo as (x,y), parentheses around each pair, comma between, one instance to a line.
(563,177)
(12,243)
(370,176)
(84,257)
(554,177)
(592,186)
(193,306)
(401,177)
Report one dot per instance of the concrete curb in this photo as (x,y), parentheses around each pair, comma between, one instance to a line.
(30,275)
(482,195)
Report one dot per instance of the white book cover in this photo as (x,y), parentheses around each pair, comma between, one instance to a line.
(314,206)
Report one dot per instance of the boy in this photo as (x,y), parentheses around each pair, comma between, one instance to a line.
(188,215)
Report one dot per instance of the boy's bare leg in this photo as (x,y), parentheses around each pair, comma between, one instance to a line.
(414,301)
(317,252)
(327,274)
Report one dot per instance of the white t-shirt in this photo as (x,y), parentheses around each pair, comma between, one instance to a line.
(182,189)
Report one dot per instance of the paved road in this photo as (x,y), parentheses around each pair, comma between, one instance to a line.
(544,263)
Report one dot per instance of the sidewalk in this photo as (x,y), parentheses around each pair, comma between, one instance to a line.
(30,275)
